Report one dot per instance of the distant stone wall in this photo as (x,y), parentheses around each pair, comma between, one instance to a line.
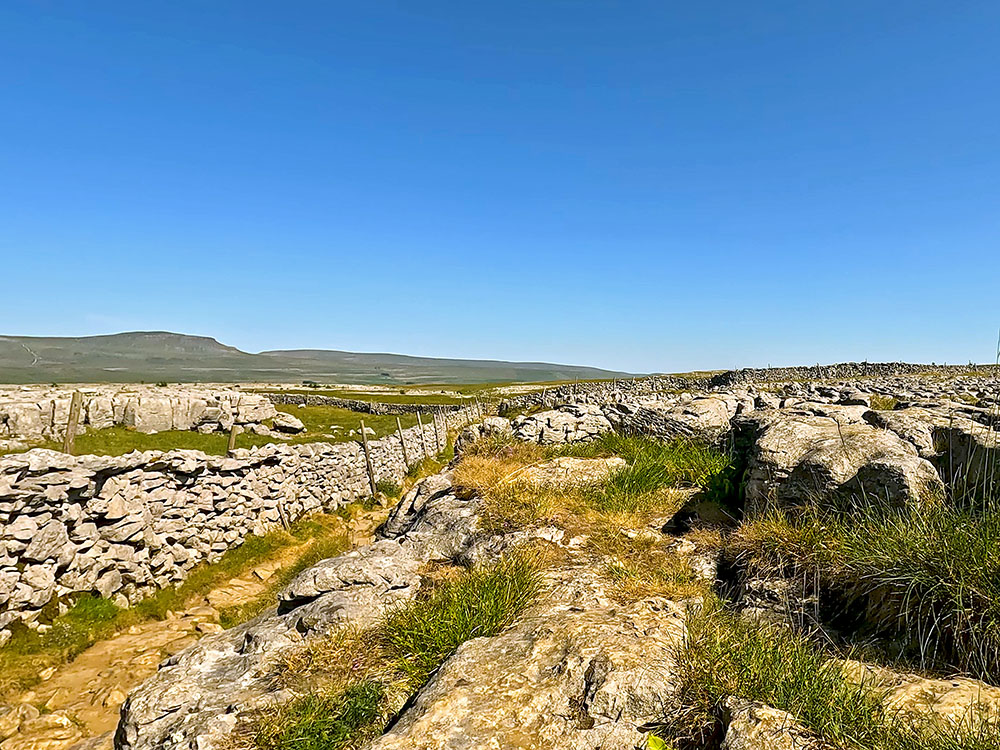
(32,413)
(124,526)
(619,390)
(365,407)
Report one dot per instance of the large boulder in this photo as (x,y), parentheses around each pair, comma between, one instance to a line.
(283,422)
(797,459)
(966,451)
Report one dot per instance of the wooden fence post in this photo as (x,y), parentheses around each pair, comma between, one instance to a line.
(69,439)
(437,439)
(402,443)
(233,432)
(423,437)
(368,460)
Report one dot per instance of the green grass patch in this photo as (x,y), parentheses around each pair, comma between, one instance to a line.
(326,424)
(319,721)
(653,465)
(882,403)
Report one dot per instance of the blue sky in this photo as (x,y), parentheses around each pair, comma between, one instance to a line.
(650,186)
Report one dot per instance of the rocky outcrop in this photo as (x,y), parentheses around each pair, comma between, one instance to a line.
(966,451)
(197,697)
(796,458)
(704,418)
(578,670)
(755,726)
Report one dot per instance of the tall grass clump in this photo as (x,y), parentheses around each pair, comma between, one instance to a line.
(927,578)
(419,636)
(724,655)
(653,465)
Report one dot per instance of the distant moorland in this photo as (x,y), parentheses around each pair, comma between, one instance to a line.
(159,355)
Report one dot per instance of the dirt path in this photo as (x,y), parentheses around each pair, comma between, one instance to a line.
(76,706)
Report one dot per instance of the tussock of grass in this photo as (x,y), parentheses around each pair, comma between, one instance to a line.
(323,721)
(929,577)
(726,656)
(882,403)
(388,487)
(421,635)
(369,675)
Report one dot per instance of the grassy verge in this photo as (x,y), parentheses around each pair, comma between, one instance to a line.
(370,675)
(726,656)
(92,618)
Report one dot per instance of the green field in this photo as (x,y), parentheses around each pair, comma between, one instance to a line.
(319,421)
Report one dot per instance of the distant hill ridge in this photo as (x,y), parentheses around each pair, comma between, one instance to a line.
(161,355)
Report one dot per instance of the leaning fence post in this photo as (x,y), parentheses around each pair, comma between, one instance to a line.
(402,443)
(423,437)
(233,432)
(368,460)
(69,438)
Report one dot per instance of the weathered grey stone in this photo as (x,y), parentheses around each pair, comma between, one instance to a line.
(577,670)
(49,542)
(572,423)
(754,726)
(287,423)
(796,458)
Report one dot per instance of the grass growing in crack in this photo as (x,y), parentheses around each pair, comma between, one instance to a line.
(92,618)
(882,403)
(421,635)
(326,721)
(929,577)
(371,674)
(726,656)
(652,466)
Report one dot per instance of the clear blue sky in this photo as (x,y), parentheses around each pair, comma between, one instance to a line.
(637,185)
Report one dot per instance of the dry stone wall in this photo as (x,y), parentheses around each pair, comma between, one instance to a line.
(365,407)
(613,391)
(33,413)
(124,526)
